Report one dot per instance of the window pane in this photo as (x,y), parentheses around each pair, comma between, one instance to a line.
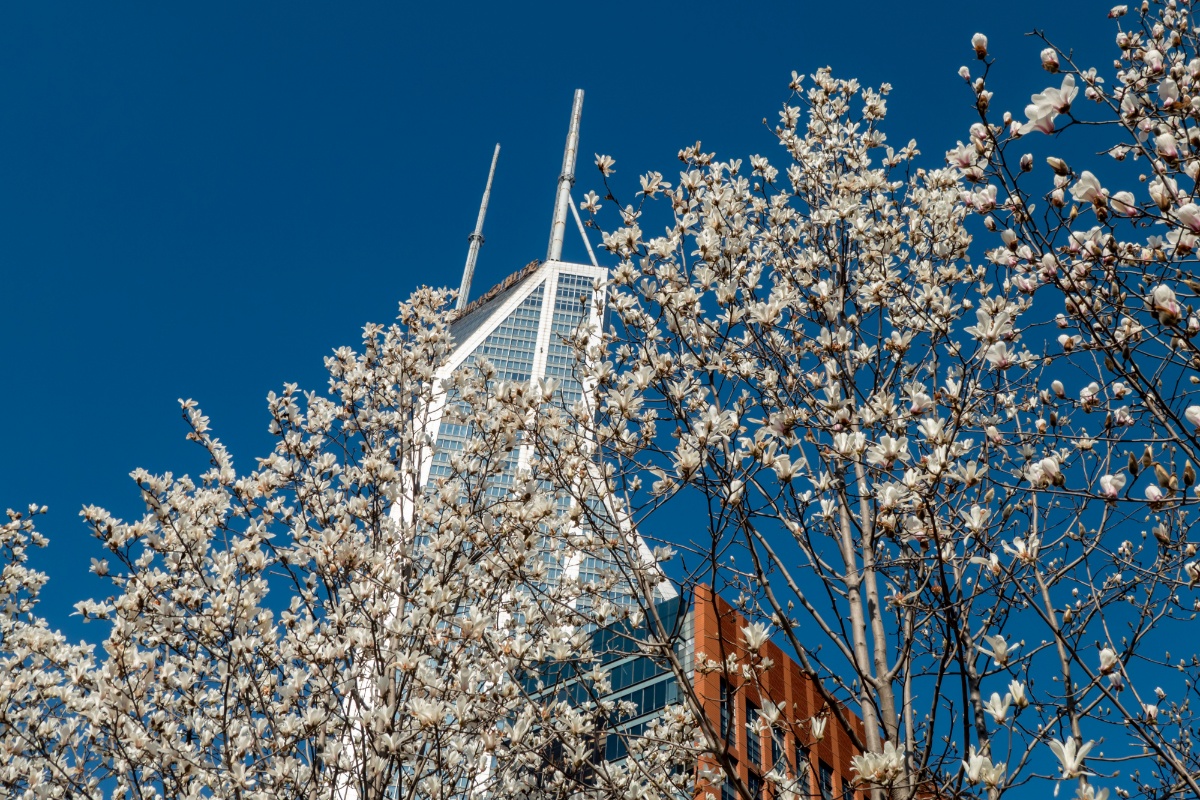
(753,738)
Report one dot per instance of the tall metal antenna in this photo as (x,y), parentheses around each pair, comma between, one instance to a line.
(476,238)
(565,180)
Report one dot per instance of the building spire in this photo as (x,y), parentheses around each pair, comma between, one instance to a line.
(476,238)
(565,180)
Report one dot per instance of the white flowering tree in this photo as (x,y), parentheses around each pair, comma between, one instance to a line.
(957,478)
(321,626)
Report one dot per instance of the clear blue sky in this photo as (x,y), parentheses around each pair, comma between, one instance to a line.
(203,201)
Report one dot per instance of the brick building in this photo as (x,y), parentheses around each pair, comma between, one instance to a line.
(732,704)
(706,629)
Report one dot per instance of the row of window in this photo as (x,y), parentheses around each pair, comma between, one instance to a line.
(799,767)
(754,783)
(653,697)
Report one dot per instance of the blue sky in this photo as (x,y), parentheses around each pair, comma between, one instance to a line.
(204,201)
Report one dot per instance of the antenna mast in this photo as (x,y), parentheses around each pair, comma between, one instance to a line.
(476,238)
(565,180)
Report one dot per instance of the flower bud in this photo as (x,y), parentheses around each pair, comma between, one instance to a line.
(1050,60)
(979,42)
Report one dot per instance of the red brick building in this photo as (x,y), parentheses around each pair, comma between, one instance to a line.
(731,703)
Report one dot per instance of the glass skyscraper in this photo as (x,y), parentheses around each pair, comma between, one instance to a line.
(521,327)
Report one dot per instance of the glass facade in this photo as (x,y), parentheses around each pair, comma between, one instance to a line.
(527,343)
(510,348)
(572,306)
(640,685)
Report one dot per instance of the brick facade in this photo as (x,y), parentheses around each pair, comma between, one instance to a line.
(718,634)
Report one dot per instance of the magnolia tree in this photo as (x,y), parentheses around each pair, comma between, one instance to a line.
(324,626)
(957,478)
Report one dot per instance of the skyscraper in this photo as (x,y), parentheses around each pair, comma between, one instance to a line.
(522,327)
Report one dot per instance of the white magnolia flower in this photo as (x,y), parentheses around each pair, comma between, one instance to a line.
(980,769)
(1163,191)
(605,164)
(1192,414)
(1085,791)
(888,450)
(1087,188)
(817,725)
(1124,203)
(1164,305)
(1024,550)
(756,635)
(979,42)
(1111,485)
(1016,690)
(1070,756)
(1166,146)
(1108,660)
(1000,649)
(881,769)
(1048,105)
(997,706)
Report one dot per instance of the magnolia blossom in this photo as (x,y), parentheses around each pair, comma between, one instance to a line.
(880,768)
(1124,203)
(1000,649)
(1153,60)
(1111,485)
(997,707)
(1192,414)
(1050,59)
(1166,146)
(1165,306)
(817,726)
(1023,549)
(1087,189)
(887,451)
(980,769)
(1047,105)
(980,43)
(1070,756)
(756,635)
(605,164)
(1108,661)
(1163,191)
(1086,791)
